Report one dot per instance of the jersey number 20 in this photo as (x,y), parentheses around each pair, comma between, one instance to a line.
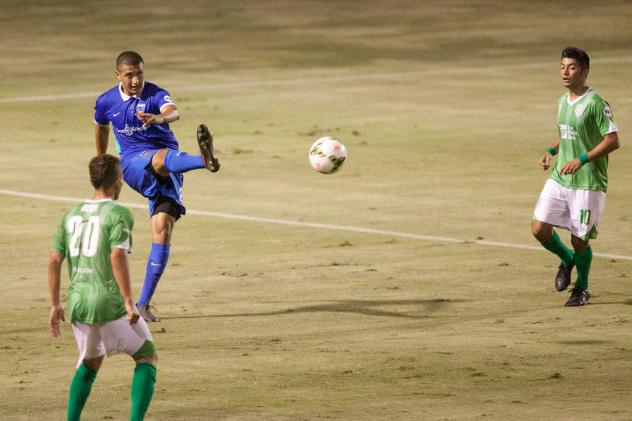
(84,235)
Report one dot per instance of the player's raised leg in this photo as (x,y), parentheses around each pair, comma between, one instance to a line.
(205,141)
(165,161)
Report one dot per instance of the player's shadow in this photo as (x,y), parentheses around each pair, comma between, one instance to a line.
(419,309)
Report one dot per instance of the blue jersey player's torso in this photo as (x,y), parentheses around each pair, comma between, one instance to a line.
(119,109)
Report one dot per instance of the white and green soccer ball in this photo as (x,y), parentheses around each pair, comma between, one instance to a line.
(327,155)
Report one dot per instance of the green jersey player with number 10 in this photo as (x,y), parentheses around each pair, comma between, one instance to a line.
(574,196)
(95,237)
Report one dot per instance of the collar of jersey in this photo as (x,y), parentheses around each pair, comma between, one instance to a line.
(98,200)
(125,97)
(569,102)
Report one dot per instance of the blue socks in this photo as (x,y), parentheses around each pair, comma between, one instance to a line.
(155,267)
(178,161)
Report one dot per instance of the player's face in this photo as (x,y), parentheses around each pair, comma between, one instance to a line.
(572,73)
(131,77)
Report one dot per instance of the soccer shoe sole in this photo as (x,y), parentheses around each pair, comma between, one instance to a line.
(205,142)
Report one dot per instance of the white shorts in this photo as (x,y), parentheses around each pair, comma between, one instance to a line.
(115,337)
(578,211)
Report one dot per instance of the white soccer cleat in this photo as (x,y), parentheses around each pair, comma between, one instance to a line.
(145,312)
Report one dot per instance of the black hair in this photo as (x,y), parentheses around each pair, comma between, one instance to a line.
(578,54)
(131,58)
(104,170)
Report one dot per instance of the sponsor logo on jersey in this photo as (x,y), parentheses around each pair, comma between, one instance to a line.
(129,130)
(567,132)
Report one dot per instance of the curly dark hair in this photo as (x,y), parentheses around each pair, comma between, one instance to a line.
(104,170)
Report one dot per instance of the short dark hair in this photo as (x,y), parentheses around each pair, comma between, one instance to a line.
(131,58)
(104,170)
(578,54)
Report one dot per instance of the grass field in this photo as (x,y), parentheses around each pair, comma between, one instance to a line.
(445,108)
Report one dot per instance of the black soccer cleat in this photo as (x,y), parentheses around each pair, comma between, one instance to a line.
(579,297)
(563,277)
(205,141)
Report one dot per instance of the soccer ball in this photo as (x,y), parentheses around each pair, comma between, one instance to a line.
(327,155)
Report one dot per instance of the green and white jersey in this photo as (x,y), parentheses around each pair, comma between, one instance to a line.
(582,124)
(86,235)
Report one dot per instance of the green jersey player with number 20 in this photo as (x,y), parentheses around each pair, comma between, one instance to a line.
(95,237)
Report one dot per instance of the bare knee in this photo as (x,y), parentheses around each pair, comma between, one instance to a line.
(579,245)
(541,230)
(153,360)
(158,162)
(93,364)
(161,228)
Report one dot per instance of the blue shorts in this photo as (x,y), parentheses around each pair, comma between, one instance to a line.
(138,174)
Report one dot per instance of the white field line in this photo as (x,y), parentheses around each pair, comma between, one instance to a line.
(459,68)
(347,228)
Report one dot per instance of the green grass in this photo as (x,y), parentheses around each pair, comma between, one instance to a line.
(444,106)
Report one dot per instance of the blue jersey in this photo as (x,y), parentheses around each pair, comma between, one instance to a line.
(120,109)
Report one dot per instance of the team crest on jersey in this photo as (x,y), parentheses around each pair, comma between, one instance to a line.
(607,111)
(140,107)
(579,110)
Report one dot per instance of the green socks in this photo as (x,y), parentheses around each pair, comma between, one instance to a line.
(142,390)
(582,263)
(556,246)
(79,391)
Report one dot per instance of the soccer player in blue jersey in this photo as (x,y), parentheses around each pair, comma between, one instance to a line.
(140,113)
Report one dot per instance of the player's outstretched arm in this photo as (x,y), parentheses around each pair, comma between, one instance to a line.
(120,268)
(608,144)
(101,136)
(54,285)
(168,115)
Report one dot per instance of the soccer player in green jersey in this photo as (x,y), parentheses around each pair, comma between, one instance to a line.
(574,196)
(95,237)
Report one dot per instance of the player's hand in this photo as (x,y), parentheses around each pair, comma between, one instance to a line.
(545,161)
(571,167)
(56,314)
(149,119)
(132,312)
